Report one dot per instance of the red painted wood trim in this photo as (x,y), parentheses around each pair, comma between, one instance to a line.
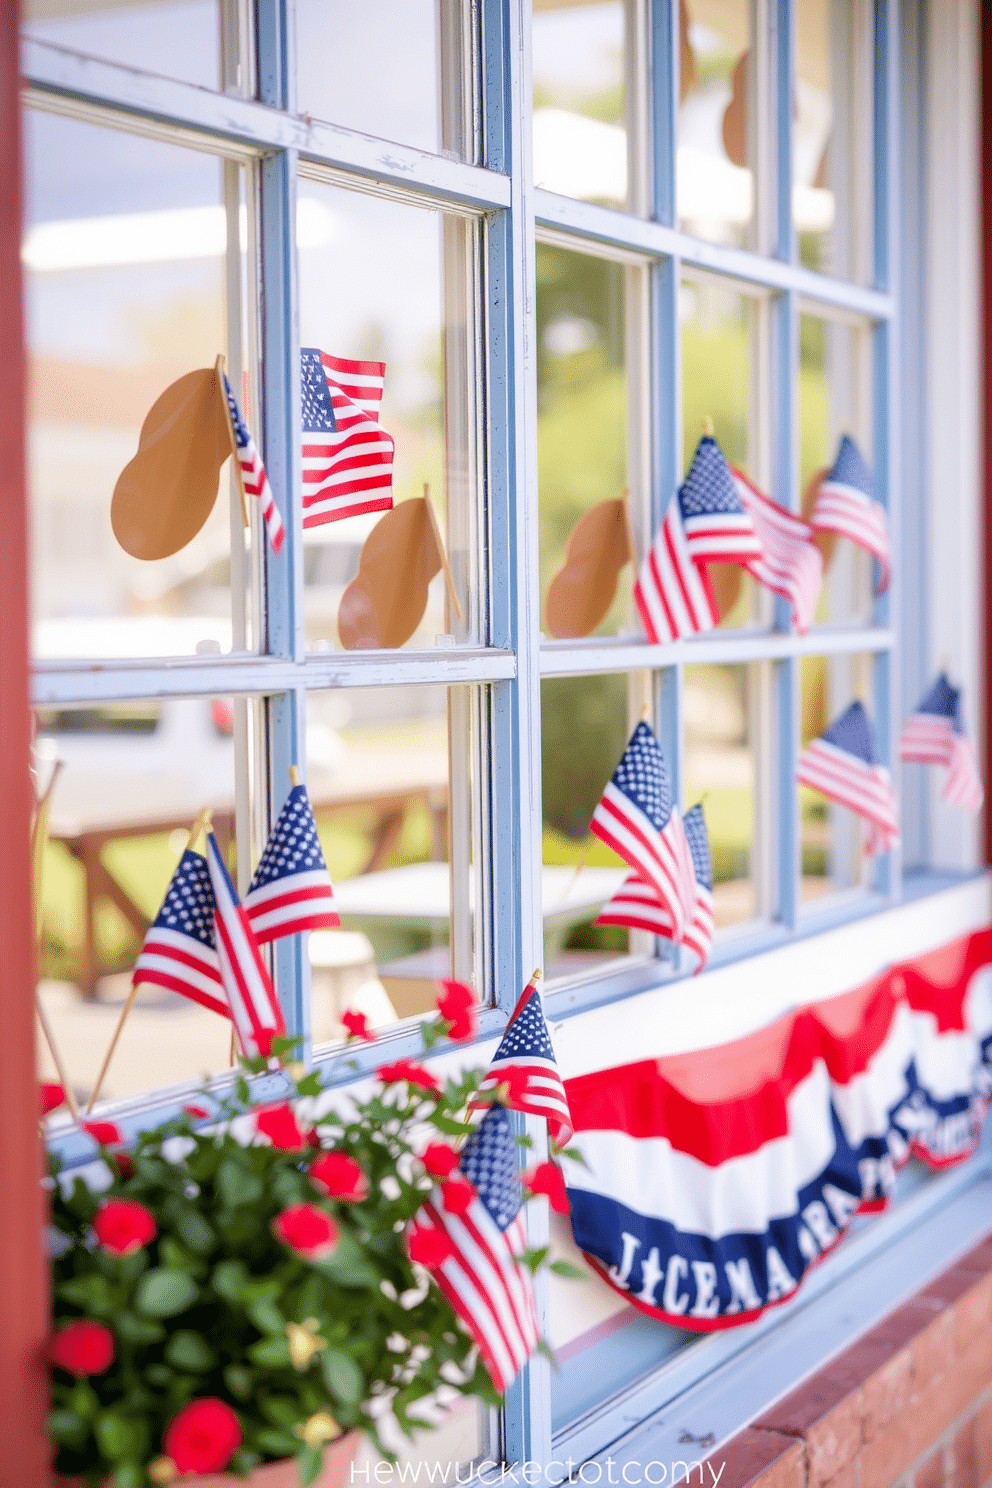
(24,1458)
(986,209)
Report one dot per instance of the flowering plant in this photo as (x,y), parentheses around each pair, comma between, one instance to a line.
(248,1289)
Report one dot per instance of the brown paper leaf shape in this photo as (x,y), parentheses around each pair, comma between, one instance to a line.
(825,541)
(582,590)
(735,114)
(726,579)
(165,494)
(385,602)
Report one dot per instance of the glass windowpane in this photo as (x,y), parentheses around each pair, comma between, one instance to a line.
(175,38)
(717,122)
(832,838)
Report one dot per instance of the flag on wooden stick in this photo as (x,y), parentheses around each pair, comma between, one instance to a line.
(347,455)
(247,985)
(525,1070)
(845,766)
(846,505)
(935,735)
(252,473)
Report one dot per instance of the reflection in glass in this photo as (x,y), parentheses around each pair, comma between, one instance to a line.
(582,403)
(585,725)
(398,69)
(832,838)
(832,155)
(176,38)
(394,789)
(725,379)
(581,102)
(721,708)
(410,304)
(130,284)
(835,397)
(717,124)
(133,778)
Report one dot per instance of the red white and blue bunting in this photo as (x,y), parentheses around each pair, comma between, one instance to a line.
(714,1181)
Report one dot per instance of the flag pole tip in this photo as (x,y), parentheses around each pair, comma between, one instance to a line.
(294,775)
(536,974)
(707,427)
(645,712)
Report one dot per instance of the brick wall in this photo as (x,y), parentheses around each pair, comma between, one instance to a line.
(907,1406)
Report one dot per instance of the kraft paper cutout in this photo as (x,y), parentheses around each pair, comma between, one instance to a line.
(726,580)
(166,493)
(735,114)
(825,541)
(385,602)
(581,592)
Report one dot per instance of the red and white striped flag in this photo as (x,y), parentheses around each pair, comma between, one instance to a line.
(291,890)
(254,1007)
(935,735)
(253,475)
(347,455)
(844,765)
(846,505)
(790,563)
(636,904)
(525,1063)
(488,1287)
(179,952)
(673,595)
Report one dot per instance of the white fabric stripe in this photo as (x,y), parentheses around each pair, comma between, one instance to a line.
(647,588)
(863,1104)
(148,961)
(740,1195)
(242,950)
(688,573)
(833,764)
(181,942)
(263,920)
(813,768)
(626,827)
(317,878)
(499,1278)
(239,1012)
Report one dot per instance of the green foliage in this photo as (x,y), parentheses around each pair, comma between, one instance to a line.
(209,1307)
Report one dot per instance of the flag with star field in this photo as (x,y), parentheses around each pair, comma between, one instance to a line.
(845,766)
(638,819)
(347,455)
(489,1288)
(292,889)
(525,1064)
(179,952)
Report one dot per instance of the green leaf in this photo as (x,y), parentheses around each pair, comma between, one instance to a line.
(524,1141)
(239,1380)
(128,1475)
(342,1376)
(83,1400)
(567,1269)
(164,1293)
(450,1126)
(189,1350)
(229,1279)
(544,1348)
(159,1375)
(310,1084)
(237,1184)
(281,1410)
(133,1329)
(191,1227)
(572,1153)
(534,1259)
(271,1353)
(277,1443)
(267,1318)
(119,1436)
(66,1427)
(349,1265)
(89,1293)
(285,1042)
(311,1464)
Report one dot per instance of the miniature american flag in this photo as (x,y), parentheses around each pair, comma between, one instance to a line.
(717,524)
(292,889)
(179,951)
(636,905)
(525,1063)
(672,594)
(490,1290)
(790,563)
(844,765)
(637,818)
(253,476)
(347,455)
(254,1008)
(935,735)
(846,505)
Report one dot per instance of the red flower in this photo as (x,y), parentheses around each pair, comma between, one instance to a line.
(281,1127)
(458,1005)
(124,1165)
(84,1347)
(458,1194)
(340,1177)
(358,1026)
(198,1113)
(547,1179)
(104,1132)
(52,1096)
(307,1230)
(415,1074)
(203,1437)
(429,1247)
(123,1226)
(439,1159)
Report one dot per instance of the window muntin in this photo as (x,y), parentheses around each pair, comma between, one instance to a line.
(132,280)
(182,39)
(412,302)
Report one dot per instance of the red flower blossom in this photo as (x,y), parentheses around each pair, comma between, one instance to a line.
(439,1159)
(104,1132)
(340,1177)
(458,1194)
(415,1074)
(198,1113)
(458,1005)
(281,1127)
(123,1163)
(84,1347)
(429,1247)
(358,1026)
(203,1437)
(547,1179)
(123,1226)
(307,1230)
(52,1096)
